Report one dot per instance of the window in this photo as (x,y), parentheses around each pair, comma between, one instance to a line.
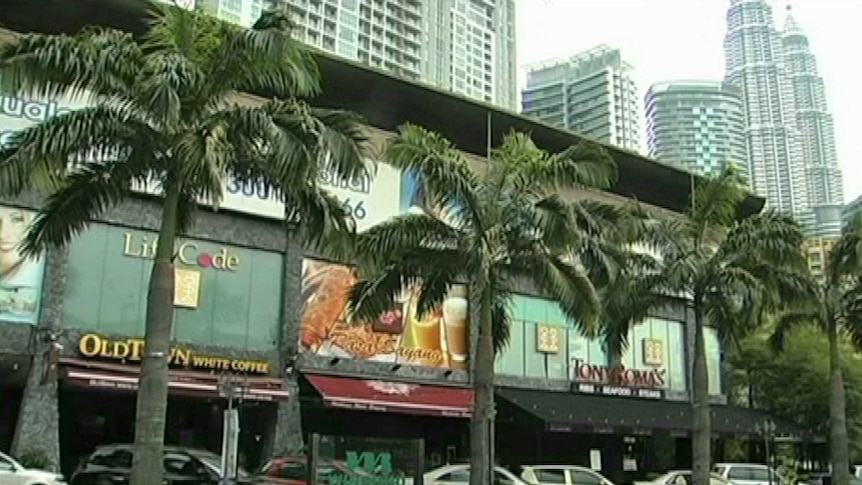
(457,476)
(551,476)
(500,479)
(293,471)
(6,464)
(580,477)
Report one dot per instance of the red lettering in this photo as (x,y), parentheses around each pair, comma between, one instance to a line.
(205,260)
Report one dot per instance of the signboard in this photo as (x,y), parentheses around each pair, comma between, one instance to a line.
(618,380)
(548,339)
(132,349)
(370,199)
(438,339)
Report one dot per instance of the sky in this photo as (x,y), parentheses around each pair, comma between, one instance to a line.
(683,39)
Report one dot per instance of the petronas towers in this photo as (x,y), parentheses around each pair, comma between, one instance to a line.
(790,140)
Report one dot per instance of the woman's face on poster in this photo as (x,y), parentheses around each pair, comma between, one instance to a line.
(13,227)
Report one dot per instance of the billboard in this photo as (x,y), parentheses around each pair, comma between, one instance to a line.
(20,277)
(439,338)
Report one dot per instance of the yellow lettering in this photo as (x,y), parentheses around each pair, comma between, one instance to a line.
(120,350)
(136,350)
(103,350)
(89,345)
(182,356)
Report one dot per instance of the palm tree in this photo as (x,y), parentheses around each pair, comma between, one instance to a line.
(161,110)
(731,268)
(835,307)
(492,228)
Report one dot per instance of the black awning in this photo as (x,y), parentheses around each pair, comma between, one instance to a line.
(567,412)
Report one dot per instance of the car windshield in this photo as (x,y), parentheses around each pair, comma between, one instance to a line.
(213,462)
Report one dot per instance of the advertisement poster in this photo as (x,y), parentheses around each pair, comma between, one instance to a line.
(20,278)
(438,339)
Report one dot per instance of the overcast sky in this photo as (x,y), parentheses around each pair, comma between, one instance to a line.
(683,39)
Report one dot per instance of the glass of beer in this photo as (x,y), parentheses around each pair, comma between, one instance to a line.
(424,329)
(455,316)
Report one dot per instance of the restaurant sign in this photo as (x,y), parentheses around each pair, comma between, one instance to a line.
(132,350)
(618,380)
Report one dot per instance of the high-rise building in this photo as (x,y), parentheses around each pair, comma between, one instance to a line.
(816,131)
(753,62)
(465,46)
(592,93)
(697,125)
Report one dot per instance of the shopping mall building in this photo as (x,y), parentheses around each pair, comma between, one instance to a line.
(256,322)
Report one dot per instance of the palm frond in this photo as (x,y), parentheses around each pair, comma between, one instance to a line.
(187,209)
(446,179)
(96,62)
(84,194)
(845,257)
(851,314)
(715,201)
(768,237)
(586,164)
(40,155)
(501,321)
(265,58)
(400,234)
(787,322)
(325,223)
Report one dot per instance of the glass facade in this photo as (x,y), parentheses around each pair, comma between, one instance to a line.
(227,296)
(655,342)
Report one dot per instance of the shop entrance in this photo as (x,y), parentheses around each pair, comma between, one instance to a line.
(90,418)
(10,402)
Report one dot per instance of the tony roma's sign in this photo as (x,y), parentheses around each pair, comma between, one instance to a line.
(132,350)
(618,380)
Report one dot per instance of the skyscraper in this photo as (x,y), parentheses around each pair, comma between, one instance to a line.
(753,63)
(816,131)
(592,93)
(698,125)
(465,46)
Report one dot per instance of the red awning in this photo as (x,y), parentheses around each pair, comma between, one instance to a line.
(120,377)
(375,395)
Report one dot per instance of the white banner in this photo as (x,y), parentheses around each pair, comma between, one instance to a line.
(371,200)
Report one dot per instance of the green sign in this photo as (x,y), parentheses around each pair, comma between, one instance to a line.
(368,468)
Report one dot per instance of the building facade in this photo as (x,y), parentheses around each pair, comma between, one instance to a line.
(258,322)
(464,46)
(698,125)
(816,130)
(754,63)
(592,93)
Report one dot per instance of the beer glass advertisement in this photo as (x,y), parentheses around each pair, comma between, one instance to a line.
(437,339)
(20,277)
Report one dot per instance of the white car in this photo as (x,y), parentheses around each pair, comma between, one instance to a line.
(460,475)
(747,474)
(561,474)
(683,477)
(12,473)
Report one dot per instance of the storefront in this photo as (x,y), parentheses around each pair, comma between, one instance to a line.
(562,399)
(339,404)
(227,330)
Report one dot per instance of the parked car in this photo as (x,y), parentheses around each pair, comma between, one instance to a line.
(293,470)
(460,475)
(561,474)
(747,473)
(12,473)
(826,479)
(112,464)
(682,477)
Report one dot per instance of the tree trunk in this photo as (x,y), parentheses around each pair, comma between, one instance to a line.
(481,447)
(702,429)
(838,440)
(152,404)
